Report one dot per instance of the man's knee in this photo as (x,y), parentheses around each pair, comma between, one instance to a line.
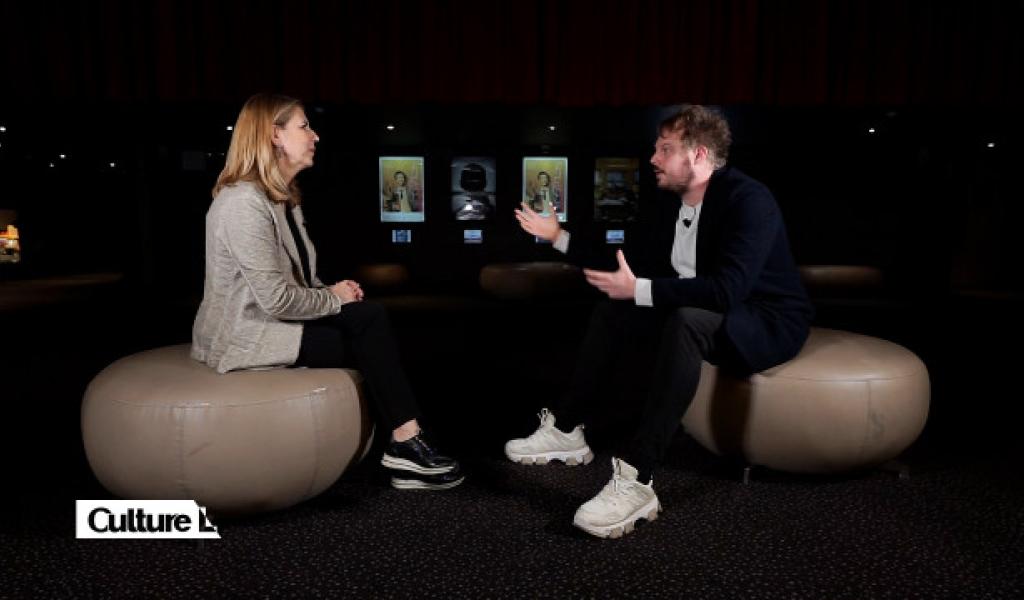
(693,318)
(690,325)
(611,311)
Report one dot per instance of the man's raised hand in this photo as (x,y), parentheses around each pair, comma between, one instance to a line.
(619,285)
(532,222)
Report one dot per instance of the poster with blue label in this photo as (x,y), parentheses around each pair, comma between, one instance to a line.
(474,183)
(616,189)
(546,184)
(401,189)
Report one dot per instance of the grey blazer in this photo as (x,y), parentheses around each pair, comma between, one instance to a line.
(255,296)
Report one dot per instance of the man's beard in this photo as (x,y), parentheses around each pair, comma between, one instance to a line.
(676,187)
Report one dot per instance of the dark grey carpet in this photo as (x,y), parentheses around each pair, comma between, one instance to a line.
(953,530)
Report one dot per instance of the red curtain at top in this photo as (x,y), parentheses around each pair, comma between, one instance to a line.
(559,52)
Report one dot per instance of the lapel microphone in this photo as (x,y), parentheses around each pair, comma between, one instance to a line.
(688,219)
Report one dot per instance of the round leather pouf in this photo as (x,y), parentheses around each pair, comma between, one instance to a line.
(382,276)
(159,425)
(846,401)
(841,277)
(530,280)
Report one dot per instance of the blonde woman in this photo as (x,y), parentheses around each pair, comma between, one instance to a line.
(263,304)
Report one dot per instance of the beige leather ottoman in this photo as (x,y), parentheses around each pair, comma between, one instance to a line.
(160,425)
(382,276)
(846,401)
(531,280)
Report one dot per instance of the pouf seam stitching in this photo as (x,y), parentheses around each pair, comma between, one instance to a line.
(848,380)
(867,421)
(179,439)
(207,405)
(317,442)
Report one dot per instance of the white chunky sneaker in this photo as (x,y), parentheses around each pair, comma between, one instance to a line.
(614,511)
(548,443)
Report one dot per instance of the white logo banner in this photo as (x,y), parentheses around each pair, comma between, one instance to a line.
(142,519)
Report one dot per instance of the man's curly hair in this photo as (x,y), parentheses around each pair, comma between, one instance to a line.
(700,126)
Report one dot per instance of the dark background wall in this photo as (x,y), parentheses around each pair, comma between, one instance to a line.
(150,87)
(925,199)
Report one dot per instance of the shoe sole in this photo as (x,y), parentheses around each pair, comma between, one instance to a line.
(648,511)
(416,484)
(401,464)
(570,458)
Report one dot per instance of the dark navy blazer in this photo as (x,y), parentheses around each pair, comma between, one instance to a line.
(745,269)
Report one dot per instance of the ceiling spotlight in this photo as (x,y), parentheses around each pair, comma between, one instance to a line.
(230,128)
(871,129)
(389,127)
(991,144)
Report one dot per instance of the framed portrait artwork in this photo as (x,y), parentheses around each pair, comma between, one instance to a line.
(473,188)
(401,189)
(616,189)
(546,184)
(10,239)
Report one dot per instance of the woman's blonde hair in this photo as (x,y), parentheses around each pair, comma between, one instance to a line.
(252,156)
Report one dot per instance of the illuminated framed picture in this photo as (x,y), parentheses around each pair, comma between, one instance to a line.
(473,188)
(616,189)
(401,187)
(546,184)
(10,239)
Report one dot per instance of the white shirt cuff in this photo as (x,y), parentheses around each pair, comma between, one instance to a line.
(562,241)
(642,292)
